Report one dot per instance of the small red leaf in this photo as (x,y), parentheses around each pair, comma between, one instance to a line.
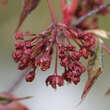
(28,7)
(4,2)
(108,92)
(94,68)
(11,102)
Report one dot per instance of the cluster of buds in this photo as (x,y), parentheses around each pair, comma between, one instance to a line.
(33,52)
(70,55)
(37,52)
(77,10)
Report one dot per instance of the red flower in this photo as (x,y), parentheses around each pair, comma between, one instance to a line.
(19,36)
(55,80)
(30,76)
(45,62)
(70,76)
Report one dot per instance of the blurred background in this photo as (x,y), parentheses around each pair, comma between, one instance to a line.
(45,98)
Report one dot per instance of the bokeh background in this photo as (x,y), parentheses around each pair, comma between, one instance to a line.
(45,98)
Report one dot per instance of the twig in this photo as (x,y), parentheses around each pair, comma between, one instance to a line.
(17,81)
(95,11)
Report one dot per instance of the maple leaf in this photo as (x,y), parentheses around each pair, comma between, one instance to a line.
(108,92)
(28,7)
(100,33)
(9,102)
(94,68)
(4,2)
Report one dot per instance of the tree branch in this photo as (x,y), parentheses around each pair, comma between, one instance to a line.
(95,11)
(17,81)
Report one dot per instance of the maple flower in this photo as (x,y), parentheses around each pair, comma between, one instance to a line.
(55,80)
(39,49)
(69,43)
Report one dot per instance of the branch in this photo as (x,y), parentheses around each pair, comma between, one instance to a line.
(17,81)
(95,11)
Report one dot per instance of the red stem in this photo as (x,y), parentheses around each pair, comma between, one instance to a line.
(73,7)
(39,44)
(52,13)
(63,5)
(55,72)
(68,11)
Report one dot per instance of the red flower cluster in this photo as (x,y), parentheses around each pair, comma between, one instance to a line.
(37,52)
(55,80)
(70,55)
(31,53)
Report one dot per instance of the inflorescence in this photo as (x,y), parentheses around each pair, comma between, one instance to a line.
(71,44)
